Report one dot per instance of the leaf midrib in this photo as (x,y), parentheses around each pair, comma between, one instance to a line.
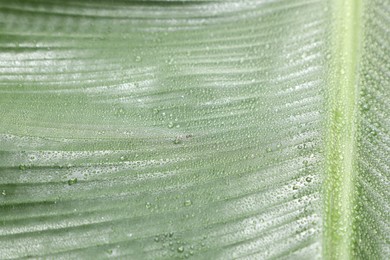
(342,125)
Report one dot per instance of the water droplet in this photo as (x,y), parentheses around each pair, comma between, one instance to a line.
(187,203)
(365,107)
(170,124)
(180,249)
(148,205)
(138,59)
(156,239)
(3,193)
(72,181)
(308,179)
(177,140)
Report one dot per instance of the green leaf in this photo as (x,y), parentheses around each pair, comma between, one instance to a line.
(195,129)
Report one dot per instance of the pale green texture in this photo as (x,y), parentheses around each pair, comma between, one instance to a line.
(165,129)
(341,154)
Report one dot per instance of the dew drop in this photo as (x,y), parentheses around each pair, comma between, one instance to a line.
(187,203)
(72,181)
(177,140)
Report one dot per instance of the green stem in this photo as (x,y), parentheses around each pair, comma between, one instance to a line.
(341,139)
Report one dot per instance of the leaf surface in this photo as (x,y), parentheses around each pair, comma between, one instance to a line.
(201,129)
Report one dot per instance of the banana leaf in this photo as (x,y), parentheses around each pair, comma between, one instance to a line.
(172,129)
